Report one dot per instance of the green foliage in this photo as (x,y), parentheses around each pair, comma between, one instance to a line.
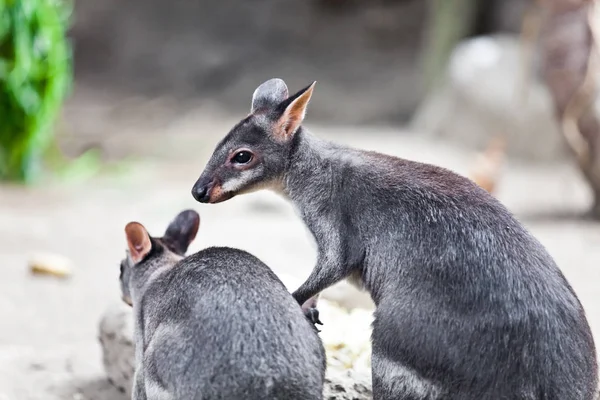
(35,77)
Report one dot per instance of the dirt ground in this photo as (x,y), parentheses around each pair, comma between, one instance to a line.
(48,338)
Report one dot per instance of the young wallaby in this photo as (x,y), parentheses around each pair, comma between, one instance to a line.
(468,304)
(217,324)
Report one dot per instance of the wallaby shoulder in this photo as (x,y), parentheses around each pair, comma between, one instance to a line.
(349,169)
(227,261)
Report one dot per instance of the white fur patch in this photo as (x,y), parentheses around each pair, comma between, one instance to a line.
(156,392)
(235,184)
(333,151)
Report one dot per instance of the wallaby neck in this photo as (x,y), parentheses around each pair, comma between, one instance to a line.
(141,279)
(312,163)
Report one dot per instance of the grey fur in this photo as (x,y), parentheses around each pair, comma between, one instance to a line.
(269,94)
(468,304)
(217,324)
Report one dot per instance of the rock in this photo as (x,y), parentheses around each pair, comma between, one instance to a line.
(343,350)
(346,336)
(116,340)
(348,296)
(50,264)
(485,94)
(347,385)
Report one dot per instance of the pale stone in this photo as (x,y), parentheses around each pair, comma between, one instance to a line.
(489,90)
(50,264)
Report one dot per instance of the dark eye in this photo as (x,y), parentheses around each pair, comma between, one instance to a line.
(242,157)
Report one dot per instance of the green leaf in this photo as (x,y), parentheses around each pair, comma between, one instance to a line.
(4,22)
(35,78)
(4,69)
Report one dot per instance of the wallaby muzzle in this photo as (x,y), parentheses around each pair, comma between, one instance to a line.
(210,192)
(202,189)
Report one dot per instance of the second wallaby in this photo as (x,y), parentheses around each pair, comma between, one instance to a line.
(217,324)
(469,305)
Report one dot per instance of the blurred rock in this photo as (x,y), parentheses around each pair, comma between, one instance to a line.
(116,339)
(485,94)
(348,296)
(347,385)
(346,335)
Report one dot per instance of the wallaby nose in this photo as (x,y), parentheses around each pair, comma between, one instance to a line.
(200,193)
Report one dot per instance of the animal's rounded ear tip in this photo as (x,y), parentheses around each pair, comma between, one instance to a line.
(131,225)
(194,216)
(191,213)
(135,231)
(276,81)
(191,216)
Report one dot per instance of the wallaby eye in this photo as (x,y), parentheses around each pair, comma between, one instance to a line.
(242,157)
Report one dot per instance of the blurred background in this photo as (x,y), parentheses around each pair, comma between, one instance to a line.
(110,109)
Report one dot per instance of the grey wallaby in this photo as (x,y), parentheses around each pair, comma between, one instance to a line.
(469,305)
(217,324)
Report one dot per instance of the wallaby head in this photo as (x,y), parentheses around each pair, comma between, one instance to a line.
(255,153)
(145,253)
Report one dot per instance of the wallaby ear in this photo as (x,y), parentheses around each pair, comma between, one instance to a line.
(138,241)
(292,112)
(269,95)
(182,231)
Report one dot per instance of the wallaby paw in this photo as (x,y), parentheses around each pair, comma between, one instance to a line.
(313,316)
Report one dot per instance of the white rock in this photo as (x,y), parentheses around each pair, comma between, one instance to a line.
(348,296)
(346,336)
(116,339)
(347,385)
(487,92)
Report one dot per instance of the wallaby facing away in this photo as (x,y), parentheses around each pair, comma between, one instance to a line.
(217,324)
(468,304)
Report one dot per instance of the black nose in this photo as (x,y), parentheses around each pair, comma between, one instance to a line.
(200,193)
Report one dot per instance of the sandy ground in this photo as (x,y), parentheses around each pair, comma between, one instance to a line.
(48,337)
